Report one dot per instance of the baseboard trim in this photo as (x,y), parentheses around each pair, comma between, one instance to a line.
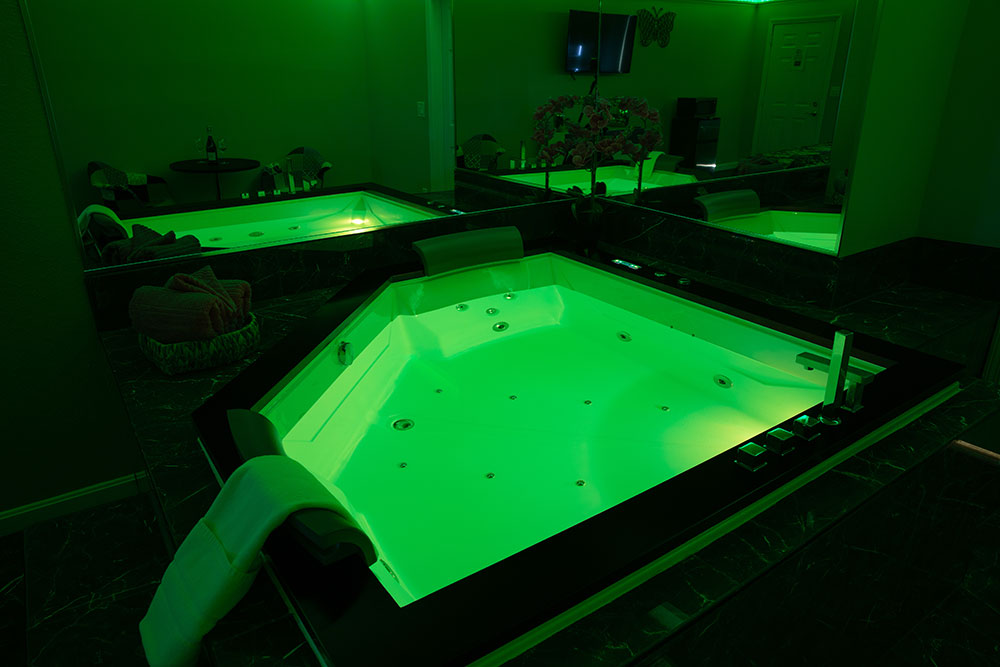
(19,518)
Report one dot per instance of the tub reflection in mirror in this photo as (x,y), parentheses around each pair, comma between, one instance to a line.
(135,85)
(743,90)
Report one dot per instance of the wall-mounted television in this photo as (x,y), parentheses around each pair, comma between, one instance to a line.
(617,38)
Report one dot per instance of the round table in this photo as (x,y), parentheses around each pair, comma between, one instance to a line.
(203,166)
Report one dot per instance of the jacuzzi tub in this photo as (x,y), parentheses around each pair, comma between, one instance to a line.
(816,231)
(288,221)
(514,438)
(618,178)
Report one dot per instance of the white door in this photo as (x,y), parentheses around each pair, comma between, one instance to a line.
(796,83)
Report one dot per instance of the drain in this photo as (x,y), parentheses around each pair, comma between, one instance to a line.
(580,482)
(490,475)
(588,402)
(508,296)
(500,326)
(665,408)
(624,336)
(215,238)
(722,381)
(492,311)
(461,307)
(293,228)
(403,424)
(256,233)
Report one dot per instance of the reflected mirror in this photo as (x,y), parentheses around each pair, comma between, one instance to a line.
(758,106)
(179,113)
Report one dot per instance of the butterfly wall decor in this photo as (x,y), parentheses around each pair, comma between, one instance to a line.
(655,26)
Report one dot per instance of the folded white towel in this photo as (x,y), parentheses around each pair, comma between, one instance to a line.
(218,560)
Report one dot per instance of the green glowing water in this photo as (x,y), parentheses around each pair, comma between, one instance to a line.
(466,430)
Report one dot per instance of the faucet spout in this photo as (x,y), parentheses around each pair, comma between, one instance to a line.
(837,376)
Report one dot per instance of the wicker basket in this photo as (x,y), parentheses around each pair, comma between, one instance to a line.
(174,358)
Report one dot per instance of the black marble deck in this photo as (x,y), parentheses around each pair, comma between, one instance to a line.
(954,326)
(899,582)
(89,578)
(773,546)
(13,614)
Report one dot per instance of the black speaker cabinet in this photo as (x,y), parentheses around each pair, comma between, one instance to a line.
(696,140)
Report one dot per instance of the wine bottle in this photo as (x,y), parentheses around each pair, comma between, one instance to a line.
(211,152)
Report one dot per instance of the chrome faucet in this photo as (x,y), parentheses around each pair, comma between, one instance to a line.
(836,378)
(844,383)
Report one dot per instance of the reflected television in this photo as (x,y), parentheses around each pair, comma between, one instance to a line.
(617,38)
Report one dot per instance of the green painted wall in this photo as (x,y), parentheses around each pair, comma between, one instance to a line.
(960,202)
(64,423)
(712,53)
(902,117)
(134,84)
(396,58)
(510,58)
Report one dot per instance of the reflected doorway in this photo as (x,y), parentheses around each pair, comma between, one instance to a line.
(796,83)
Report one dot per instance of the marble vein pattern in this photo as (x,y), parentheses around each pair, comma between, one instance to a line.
(13,615)
(680,599)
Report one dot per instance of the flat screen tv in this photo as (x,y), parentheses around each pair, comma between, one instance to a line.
(617,38)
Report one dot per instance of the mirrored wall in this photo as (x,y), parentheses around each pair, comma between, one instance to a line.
(756,103)
(185,106)
(757,98)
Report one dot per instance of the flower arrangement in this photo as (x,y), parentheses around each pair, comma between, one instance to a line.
(604,129)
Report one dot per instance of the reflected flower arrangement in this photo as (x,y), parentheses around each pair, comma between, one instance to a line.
(585,131)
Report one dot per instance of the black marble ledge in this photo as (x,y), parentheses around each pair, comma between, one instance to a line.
(718,584)
(950,325)
(791,272)
(288,270)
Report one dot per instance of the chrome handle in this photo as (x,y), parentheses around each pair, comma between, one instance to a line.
(835,379)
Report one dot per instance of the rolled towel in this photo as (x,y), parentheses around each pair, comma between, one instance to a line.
(203,281)
(219,559)
(190,306)
(240,292)
(169,316)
